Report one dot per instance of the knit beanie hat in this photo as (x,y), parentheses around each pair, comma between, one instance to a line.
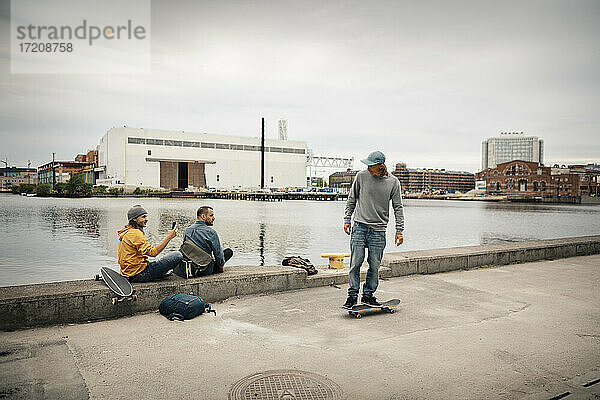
(135,212)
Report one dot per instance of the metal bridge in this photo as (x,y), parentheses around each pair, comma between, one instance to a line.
(313,162)
(328,162)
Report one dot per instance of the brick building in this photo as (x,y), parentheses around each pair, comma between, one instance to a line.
(343,179)
(532,178)
(517,177)
(433,180)
(576,180)
(90,157)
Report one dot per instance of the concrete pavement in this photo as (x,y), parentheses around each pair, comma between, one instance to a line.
(527,331)
(82,300)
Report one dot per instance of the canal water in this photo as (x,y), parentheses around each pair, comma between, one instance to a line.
(50,239)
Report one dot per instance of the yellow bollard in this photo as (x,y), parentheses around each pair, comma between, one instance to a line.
(336,260)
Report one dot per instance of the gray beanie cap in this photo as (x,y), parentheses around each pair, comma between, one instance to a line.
(135,212)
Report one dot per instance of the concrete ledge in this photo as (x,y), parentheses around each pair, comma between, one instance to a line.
(80,301)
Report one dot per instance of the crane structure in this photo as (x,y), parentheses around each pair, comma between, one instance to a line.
(282,126)
(315,162)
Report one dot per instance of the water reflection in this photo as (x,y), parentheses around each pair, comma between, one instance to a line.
(85,220)
(47,239)
(541,207)
(495,238)
(261,244)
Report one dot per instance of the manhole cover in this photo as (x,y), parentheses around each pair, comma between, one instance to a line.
(285,385)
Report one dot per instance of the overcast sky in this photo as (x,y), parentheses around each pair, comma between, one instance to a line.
(425,82)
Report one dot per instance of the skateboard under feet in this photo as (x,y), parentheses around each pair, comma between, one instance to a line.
(388,306)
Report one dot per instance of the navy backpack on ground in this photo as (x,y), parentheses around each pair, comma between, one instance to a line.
(183,306)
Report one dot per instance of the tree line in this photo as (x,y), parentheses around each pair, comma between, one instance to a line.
(74,187)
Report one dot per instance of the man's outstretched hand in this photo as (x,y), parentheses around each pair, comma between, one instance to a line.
(399,239)
(347,228)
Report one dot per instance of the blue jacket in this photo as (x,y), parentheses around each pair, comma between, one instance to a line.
(207,239)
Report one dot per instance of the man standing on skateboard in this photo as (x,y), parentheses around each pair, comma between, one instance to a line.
(369,201)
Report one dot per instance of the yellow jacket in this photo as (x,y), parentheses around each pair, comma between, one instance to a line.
(134,250)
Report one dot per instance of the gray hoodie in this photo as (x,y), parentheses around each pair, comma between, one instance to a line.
(369,200)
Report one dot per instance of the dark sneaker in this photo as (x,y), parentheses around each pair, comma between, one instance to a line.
(370,300)
(350,302)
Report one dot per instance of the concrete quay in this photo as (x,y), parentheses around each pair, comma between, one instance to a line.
(85,300)
(528,331)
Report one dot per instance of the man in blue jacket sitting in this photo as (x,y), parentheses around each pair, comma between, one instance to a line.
(205,237)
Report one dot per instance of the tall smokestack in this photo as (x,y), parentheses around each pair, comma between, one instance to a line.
(262,156)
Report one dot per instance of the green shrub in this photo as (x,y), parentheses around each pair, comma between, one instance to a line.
(86,189)
(115,191)
(60,188)
(24,188)
(100,189)
(43,189)
(77,187)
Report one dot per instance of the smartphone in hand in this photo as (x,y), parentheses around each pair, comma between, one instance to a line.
(173,226)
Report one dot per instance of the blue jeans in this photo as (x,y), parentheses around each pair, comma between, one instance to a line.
(227,254)
(158,268)
(365,237)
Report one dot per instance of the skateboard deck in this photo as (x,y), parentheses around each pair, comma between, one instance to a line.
(388,306)
(117,283)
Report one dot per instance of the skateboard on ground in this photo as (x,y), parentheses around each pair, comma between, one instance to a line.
(388,306)
(117,283)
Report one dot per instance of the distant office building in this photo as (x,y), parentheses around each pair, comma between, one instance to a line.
(433,180)
(15,176)
(177,160)
(60,171)
(511,146)
(593,167)
(343,179)
(88,173)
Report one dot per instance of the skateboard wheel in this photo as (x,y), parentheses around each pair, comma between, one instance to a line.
(96,277)
(134,297)
(392,311)
(358,316)
(114,301)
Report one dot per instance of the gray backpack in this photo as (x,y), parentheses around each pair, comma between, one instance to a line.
(195,260)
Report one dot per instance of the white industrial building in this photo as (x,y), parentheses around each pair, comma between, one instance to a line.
(137,157)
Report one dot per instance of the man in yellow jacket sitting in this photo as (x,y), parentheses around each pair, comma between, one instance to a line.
(134,250)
